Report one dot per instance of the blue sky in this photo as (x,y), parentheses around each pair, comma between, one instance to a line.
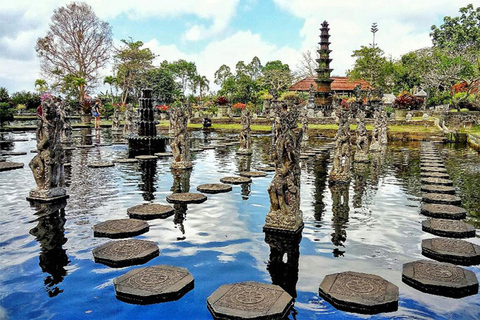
(215,32)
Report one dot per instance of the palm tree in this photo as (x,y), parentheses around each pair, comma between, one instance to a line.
(42,85)
(111,80)
(203,84)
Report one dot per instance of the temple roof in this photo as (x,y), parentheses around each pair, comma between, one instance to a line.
(338,84)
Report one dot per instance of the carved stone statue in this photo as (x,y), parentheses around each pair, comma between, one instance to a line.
(375,143)
(128,127)
(47,165)
(116,120)
(284,190)
(180,142)
(245,137)
(361,151)
(383,135)
(66,135)
(340,172)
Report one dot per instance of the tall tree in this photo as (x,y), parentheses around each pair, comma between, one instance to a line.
(307,65)
(132,63)
(78,43)
(276,76)
(184,73)
(222,74)
(164,88)
(370,65)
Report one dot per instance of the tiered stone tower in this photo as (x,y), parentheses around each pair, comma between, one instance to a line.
(146,140)
(323,95)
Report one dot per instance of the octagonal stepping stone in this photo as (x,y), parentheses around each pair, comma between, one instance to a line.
(163,154)
(444,211)
(252,174)
(266,169)
(235,180)
(432,164)
(126,160)
(207,147)
(186,198)
(249,300)
(85,146)
(67,165)
(431,174)
(359,292)
(448,228)
(433,169)
(303,157)
(432,188)
(451,250)
(440,278)
(122,253)
(153,284)
(150,211)
(120,228)
(7,165)
(195,150)
(13,153)
(146,157)
(34,151)
(214,188)
(69,148)
(441,198)
(101,164)
(438,181)
(103,144)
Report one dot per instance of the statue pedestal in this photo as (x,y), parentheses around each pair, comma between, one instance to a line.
(181,165)
(283,222)
(244,151)
(361,157)
(51,195)
(138,145)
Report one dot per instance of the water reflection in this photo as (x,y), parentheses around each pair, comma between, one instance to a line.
(340,210)
(360,175)
(50,234)
(148,171)
(244,163)
(181,184)
(320,174)
(86,136)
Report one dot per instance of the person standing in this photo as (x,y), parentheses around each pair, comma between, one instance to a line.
(96,113)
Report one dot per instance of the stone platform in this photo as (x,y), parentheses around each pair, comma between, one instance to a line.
(249,300)
(235,180)
(186,198)
(359,292)
(451,250)
(126,160)
(214,188)
(101,164)
(122,253)
(448,228)
(441,198)
(150,211)
(146,157)
(445,211)
(440,278)
(430,188)
(434,180)
(252,174)
(153,284)
(120,228)
(6,165)
(431,174)
(266,169)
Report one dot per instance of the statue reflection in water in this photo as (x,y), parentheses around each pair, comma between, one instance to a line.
(148,170)
(50,234)
(284,272)
(181,184)
(244,163)
(360,174)
(340,210)
(321,174)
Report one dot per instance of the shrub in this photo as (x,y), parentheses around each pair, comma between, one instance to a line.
(407,101)
(440,98)
(238,107)
(221,101)
(31,100)
(6,112)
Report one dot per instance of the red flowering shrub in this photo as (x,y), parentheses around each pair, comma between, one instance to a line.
(221,101)
(238,106)
(162,107)
(407,101)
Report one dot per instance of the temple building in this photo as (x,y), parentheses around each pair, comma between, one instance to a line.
(341,86)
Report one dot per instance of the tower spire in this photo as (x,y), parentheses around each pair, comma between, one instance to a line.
(323,95)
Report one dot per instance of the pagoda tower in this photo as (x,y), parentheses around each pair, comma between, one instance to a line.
(323,94)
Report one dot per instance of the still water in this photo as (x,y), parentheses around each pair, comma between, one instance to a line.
(373,225)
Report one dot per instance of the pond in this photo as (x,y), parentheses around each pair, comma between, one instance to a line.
(47,269)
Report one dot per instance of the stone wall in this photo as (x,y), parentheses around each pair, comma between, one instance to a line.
(473,141)
(462,119)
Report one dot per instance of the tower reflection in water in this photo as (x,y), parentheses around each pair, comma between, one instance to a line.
(181,184)
(50,234)
(148,170)
(340,210)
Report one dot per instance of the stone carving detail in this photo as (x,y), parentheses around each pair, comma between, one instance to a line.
(116,119)
(245,137)
(128,127)
(249,297)
(306,135)
(64,111)
(361,151)
(375,143)
(284,190)
(340,172)
(444,272)
(351,285)
(155,279)
(455,246)
(180,143)
(47,165)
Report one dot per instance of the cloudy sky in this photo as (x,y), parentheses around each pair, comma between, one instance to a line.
(216,32)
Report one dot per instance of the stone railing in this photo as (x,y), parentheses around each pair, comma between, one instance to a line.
(473,141)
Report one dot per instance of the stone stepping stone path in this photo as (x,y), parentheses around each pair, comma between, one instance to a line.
(6,165)
(266,169)
(437,181)
(303,157)
(252,174)
(249,300)
(35,151)
(448,228)
(69,148)
(195,150)
(146,157)
(444,211)
(150,211)
(207,147)
(2,159)
(13,153)
(433,169)
(163,154)
(432,164)
(432,188)
(451,250)
(431,174)
(153,284)
(359,292)
(214,188)
(125,160)
(67,165)
(235,180)
(244,152)
(122,253)
(120,228)
(85,146)
(103,144)
(440,278)
(186,198)
(101,164)
(441,198)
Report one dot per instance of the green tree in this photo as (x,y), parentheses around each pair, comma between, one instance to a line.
(41,85)
(183,72)
(132,63)
(164,88)
(4,96)
(222,74)
(276,76)
(31,100)
(77,45)
(112,82)
(371,65)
